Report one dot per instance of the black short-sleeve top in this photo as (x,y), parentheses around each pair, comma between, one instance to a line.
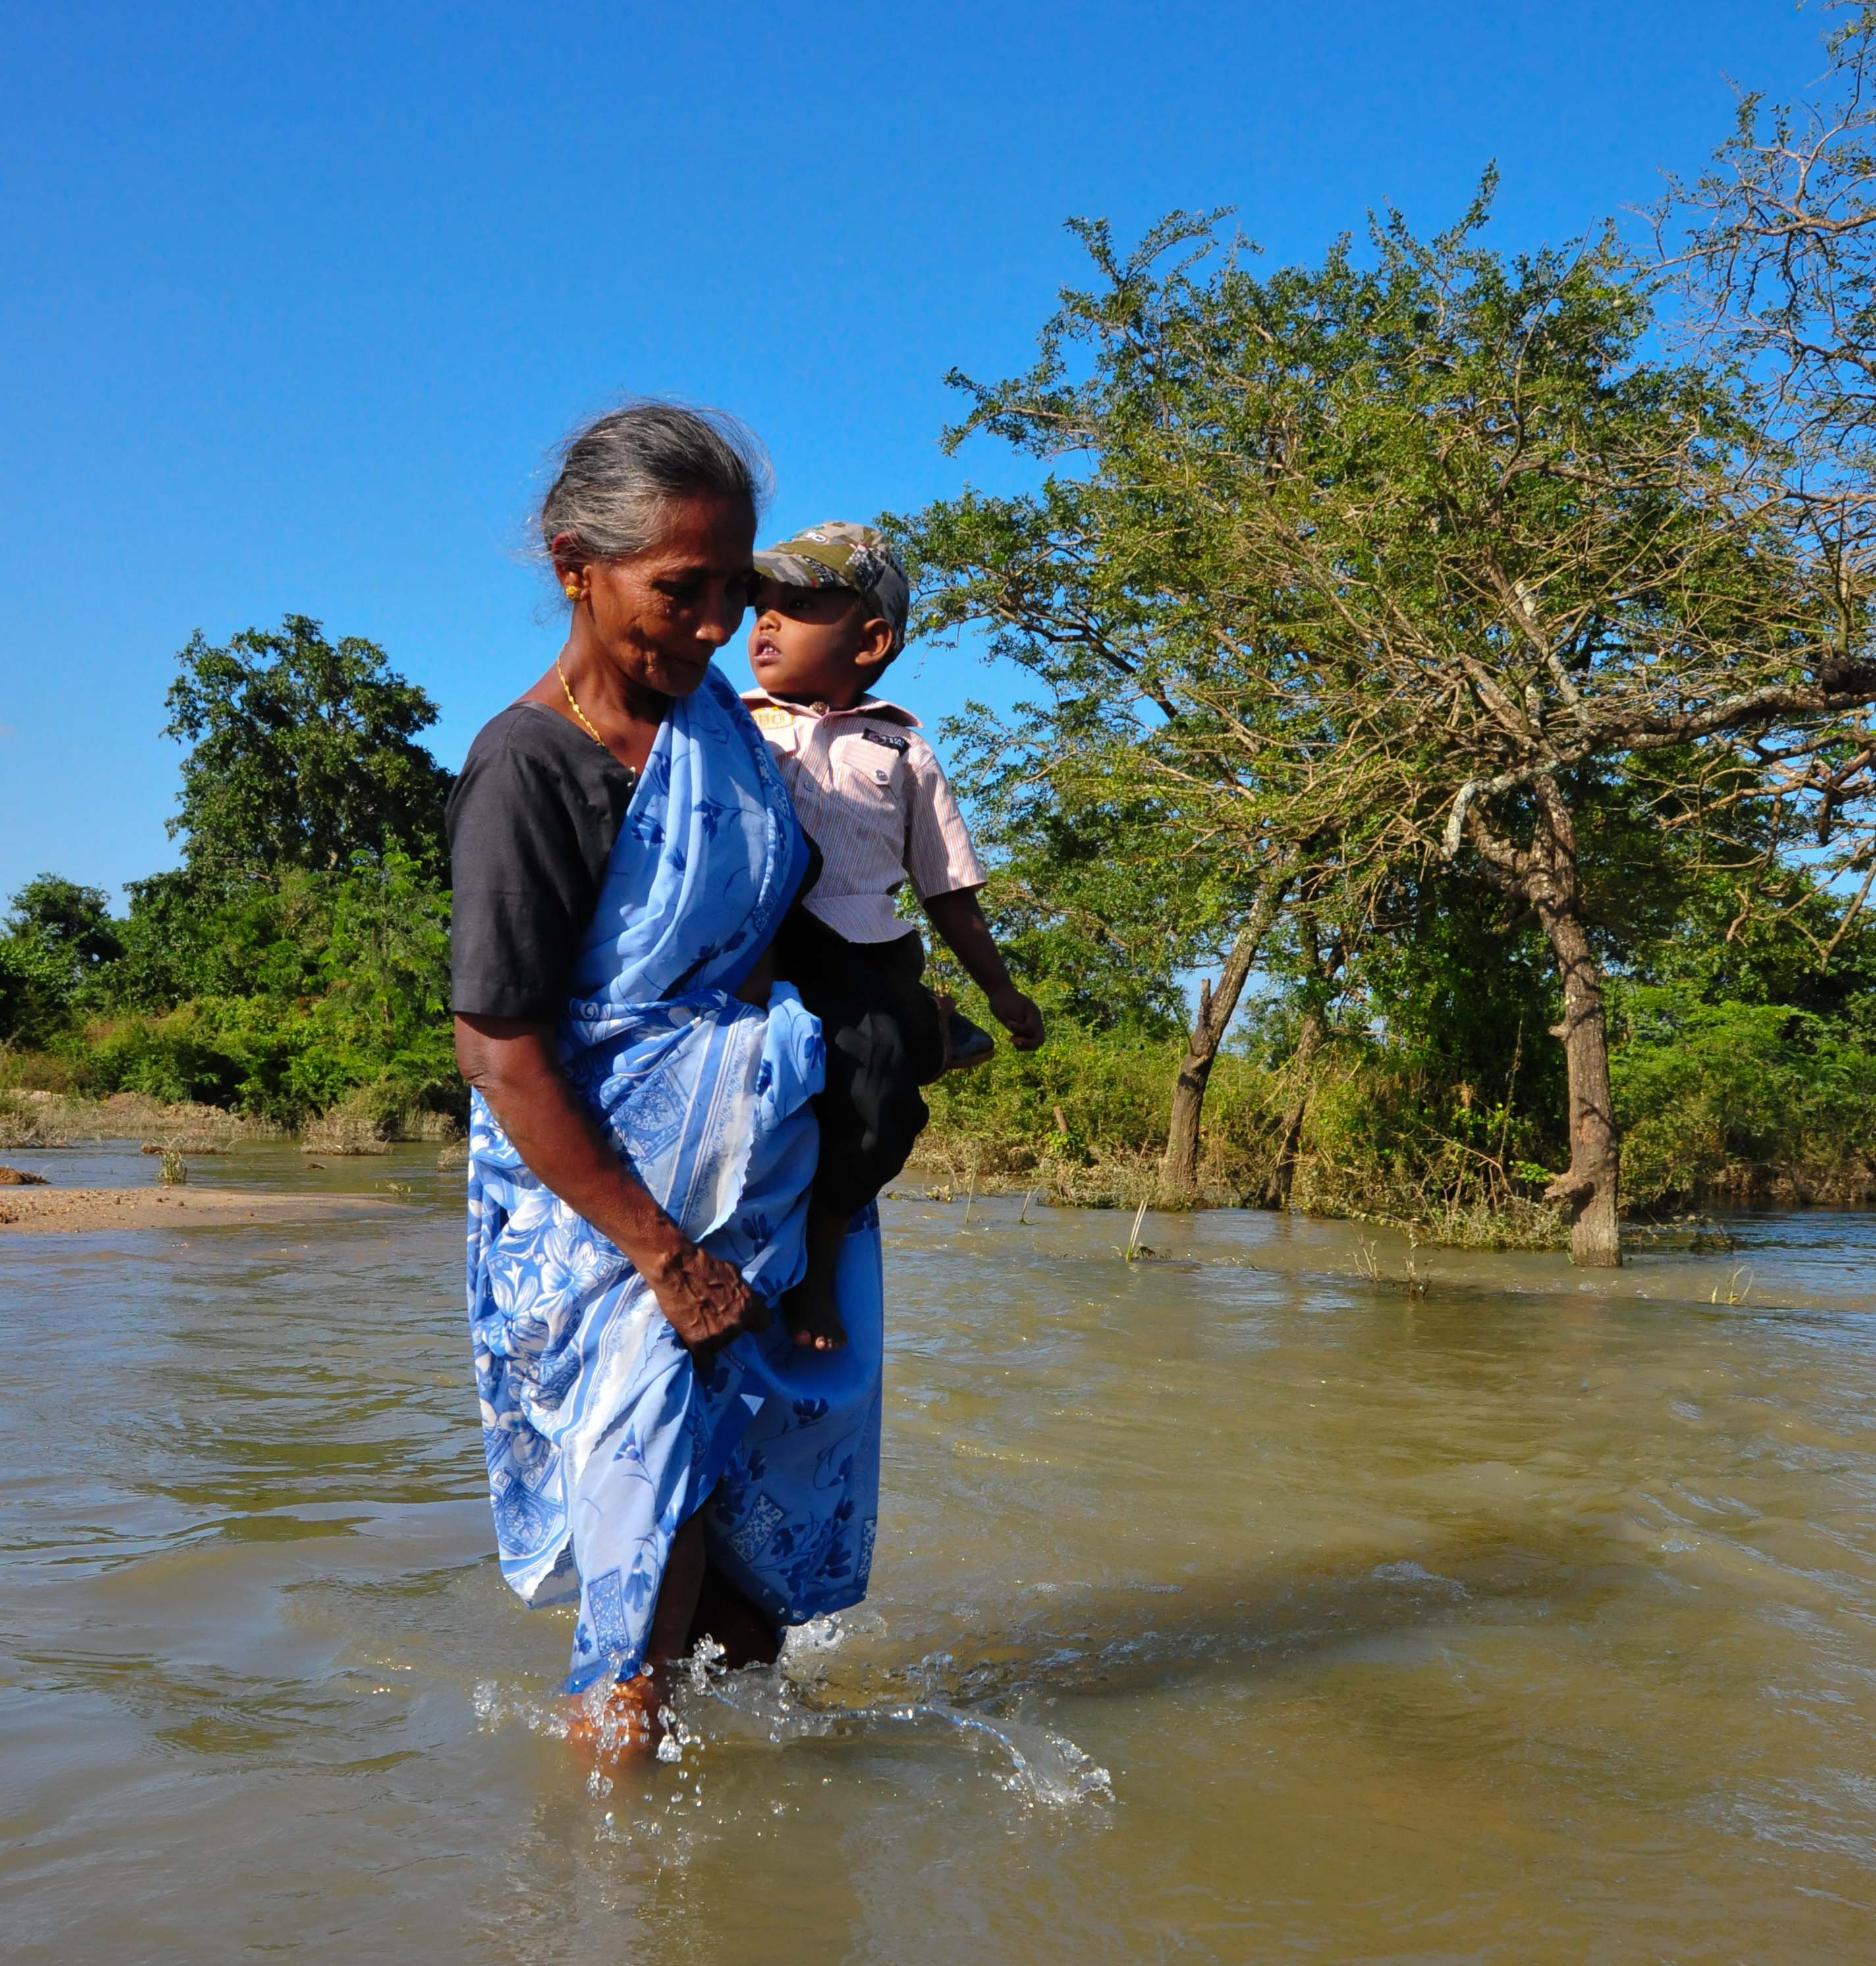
(532,821)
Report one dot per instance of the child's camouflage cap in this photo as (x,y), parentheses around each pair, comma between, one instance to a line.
(838,553)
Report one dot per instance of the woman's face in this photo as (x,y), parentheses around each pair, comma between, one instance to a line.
(660,615)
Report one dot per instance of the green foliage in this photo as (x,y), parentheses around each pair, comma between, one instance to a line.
(1352,552)
(1811,954)
(54,940)
(312,986)
(384,1016)
(1112,1089)
(1721,1097)
(172,1058)
(301,956)
(1065,915)
(72,920)
(36,991)
(304,753)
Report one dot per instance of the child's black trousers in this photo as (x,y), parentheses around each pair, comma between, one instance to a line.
(885,1038)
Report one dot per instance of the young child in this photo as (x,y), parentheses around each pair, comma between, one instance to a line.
(830,614)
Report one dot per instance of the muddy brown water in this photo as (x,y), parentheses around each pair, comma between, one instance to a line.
(1229,1605)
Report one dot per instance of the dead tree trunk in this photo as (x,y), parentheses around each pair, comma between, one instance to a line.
(1308,1041)
(1590,1188)
(1179,1169)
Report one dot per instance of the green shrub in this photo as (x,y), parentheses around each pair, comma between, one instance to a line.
(1717,1097)
(171,1058)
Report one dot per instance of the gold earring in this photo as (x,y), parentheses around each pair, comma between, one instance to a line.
(573,590)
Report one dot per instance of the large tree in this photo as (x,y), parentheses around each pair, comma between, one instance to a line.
(1376,568)
(303,752)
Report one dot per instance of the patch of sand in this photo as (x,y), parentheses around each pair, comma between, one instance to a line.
(92,1208)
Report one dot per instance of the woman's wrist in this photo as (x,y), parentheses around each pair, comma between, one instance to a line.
(656,1246)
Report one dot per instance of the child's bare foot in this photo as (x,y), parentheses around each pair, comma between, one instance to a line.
(812,1312)
(620,1726)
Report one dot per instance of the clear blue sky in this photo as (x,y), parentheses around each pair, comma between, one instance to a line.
(293,299)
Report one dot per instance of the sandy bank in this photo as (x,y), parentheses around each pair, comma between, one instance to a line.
(75,1209)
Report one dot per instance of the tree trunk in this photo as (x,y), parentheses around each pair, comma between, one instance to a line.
(1179,1169)
(1309,1042)
(1590,1188)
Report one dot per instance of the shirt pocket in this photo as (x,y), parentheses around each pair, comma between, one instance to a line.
(873,773)
(869,791)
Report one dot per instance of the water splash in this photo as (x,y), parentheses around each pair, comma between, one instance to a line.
(1044,1768)
(495,1705)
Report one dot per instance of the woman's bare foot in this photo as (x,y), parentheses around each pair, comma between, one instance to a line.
(620,1726)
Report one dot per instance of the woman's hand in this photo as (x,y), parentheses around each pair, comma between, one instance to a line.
(707,1302)
(516,1066)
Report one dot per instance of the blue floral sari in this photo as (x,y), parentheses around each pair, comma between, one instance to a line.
(601,1435)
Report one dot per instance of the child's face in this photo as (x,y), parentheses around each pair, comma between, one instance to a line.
(816,644)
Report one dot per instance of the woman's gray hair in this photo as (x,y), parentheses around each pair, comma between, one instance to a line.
(620,476)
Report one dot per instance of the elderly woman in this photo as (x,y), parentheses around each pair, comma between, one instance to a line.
(641,1141)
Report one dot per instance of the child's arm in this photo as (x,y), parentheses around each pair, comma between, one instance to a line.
(957,917)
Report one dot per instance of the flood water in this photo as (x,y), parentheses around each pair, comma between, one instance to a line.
(1229,1605)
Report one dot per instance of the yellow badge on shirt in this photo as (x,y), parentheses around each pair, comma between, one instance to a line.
(773,720)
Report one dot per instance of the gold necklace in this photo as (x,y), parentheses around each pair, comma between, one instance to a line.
(573,705)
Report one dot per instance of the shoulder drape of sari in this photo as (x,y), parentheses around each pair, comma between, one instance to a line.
(602,1435)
